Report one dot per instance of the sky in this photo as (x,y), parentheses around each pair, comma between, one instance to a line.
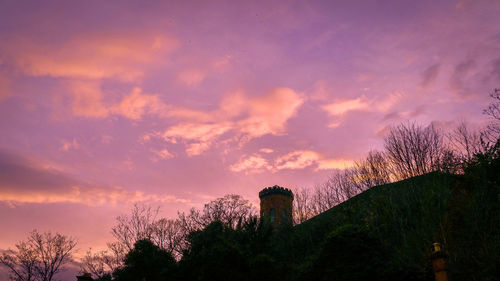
(104,104)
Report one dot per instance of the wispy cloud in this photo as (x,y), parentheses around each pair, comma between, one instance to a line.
(251,164)
(339,109)
(4,86)
(136,104)
(68,145)
(90,56)
(430,74)
(294,160)
(27,181)
(88,101)
(162,154)
(301,159)
(245,117)
(191,77)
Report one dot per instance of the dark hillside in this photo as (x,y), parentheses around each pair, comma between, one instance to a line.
(405,217)
(402,220)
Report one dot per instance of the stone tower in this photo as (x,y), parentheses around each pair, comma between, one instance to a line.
(276,206)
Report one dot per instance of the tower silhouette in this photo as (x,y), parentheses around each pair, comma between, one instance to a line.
(276,206)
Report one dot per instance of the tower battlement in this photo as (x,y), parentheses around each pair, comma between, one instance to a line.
(275,190)
(276,206)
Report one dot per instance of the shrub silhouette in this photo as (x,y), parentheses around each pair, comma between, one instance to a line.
(146,262)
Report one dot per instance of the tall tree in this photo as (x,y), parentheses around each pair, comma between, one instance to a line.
(167,234)
(148,262)
(372,171)
(136,226)
(493,110)
(302,205)
(413,150)
(40,257)
(230,210)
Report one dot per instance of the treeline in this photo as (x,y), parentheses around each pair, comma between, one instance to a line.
(169,235)
(409,150)
(225,240)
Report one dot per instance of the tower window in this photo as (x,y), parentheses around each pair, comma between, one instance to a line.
(272,215)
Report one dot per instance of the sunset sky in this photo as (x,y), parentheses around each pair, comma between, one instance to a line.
(104,104)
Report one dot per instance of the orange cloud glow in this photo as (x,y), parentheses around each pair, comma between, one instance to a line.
(4,87)
(92,56)
(342,107)
(299,159)
(90,197)
(198,136)
(136,104)
(252,164)
(338,110)
(246,117)
(87,99)
(191,77)
(67,145)
(295,160)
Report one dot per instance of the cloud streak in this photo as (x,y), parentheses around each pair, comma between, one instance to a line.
(26,181)
(294,160)
(90,56)
(245,117)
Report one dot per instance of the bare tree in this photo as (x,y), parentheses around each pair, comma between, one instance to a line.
(466,142)
(134,227)
(21,263)
(94,264)
(230,210)
(40,257)
(169,236)
(103,263)
(302,205)
(413,150)
(128,230)
(493,109)
(339,187)
(372,171)
(492,132)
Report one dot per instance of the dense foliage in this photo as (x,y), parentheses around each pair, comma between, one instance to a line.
(384,233)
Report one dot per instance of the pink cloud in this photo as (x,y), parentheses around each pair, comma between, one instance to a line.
(4,87)
(90,197)
(222,62)
(92,56)
(269,114)
(329,164)
(337,110)
(252,164)
(28,181)
(136,104)
(266,150)
(344,106)
(299,159)
(198,136)
(294,160)
(191,77)
(245,117)
(68,145)
(87,99)
(162,154)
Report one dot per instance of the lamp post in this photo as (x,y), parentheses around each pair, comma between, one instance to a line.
(439,263)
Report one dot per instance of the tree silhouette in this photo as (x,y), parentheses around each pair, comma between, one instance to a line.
(148,262)
(40,257)
(413,150)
